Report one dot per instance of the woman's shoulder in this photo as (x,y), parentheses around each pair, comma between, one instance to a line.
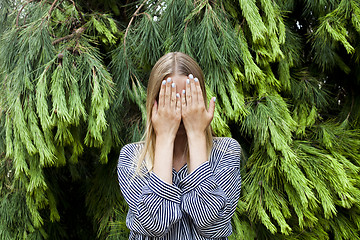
(226,152)
(129,154)
(226,144)
(131,147)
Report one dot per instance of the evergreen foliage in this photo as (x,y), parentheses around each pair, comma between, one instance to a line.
(73,79)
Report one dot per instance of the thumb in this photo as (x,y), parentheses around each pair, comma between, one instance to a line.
(212,107)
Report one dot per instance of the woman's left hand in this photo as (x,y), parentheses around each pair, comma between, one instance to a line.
(194,114)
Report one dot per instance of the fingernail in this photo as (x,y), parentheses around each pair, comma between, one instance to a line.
(169,79)
(163,82)
(183,91)
(187,81)
(173,85)
(214,99)
(177,95)
(196,79)
(191,76)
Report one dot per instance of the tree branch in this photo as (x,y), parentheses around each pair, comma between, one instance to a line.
(52,8)
(79,12)
(63,38)
(58,7)
(144,13)
(22,8)
(76,33)
(130,22)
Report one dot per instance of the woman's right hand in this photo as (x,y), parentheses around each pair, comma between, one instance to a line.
(166,115)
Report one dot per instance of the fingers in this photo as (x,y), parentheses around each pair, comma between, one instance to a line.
(173,96)
(168,97)
(188,96)
(183,101)
(199,94)
(178,104)
(162,94)
(194,94)
(168,91)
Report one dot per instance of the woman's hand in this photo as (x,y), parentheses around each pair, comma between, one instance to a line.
(196,119)
(166,115)
(195,116)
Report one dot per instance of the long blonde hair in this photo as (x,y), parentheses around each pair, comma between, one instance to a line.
(169,64)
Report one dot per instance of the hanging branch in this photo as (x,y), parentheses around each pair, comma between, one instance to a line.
(196,10)
(58,7)
(79,12)
(52,8)
(130,22)
(22,8)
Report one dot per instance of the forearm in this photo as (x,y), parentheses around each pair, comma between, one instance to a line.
(164,158)
(197,149)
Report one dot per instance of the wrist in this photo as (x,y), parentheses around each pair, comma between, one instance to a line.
(163,159)
(196,135)
(165,139)
(197,149)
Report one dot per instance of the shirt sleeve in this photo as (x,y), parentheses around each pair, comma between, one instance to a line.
(154,205)
(210,196)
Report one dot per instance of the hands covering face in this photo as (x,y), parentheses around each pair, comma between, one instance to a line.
(188,106)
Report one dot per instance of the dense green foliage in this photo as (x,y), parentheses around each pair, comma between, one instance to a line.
(73,77)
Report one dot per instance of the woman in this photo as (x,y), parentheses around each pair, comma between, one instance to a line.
(180,183)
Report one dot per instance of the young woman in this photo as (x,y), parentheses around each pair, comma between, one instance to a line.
(180,183)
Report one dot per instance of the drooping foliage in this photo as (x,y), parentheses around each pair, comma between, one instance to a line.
(73,89)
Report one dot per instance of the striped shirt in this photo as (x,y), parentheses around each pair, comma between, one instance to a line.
(198,205)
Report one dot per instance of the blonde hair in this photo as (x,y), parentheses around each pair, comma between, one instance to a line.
(169,64)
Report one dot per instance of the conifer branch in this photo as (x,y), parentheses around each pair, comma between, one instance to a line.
(58,7)
(25,19)
(63,38)
(196,10)
(43,2)
(76,33)
(52,8)
(79,12)
(22,8)
(130,22)
(144,13)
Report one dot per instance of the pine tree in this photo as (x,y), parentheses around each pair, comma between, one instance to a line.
(73,79)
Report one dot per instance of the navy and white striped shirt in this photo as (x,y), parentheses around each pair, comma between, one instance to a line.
(198,205)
